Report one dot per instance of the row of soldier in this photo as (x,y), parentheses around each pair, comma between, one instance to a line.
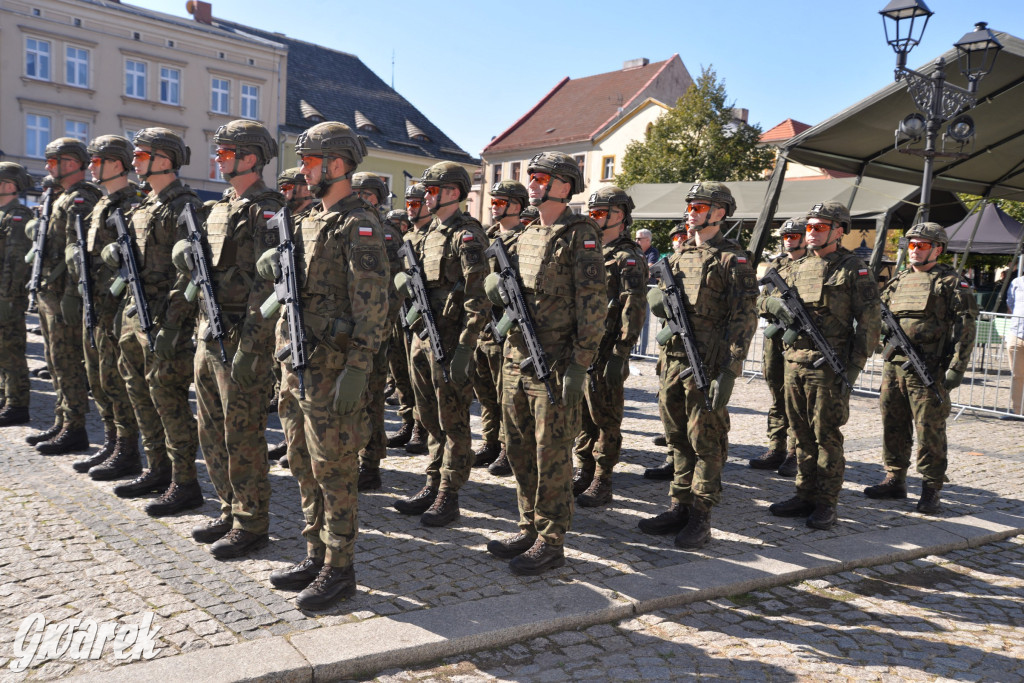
(579,286)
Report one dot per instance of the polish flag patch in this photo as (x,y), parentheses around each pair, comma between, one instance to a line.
(16,219)
(741,259)
(631,262)
(387,237)
(467,237)
(365,231)
(79,200)
(964,285)
(862,272)
(589,244)
(268,214)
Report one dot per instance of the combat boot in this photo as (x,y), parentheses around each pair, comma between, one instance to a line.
(70,439)
(792,507)
(401,437)
(539,558)
(391,401)
(11,416)
(417,445)
(278,451)
(664,473)
(597,494)
(124,462)
(929,502)
(272,406)
(512,546)
(369,478)
(788,466)
(212,530)
(237,543)
(769,460)
(329,586)
(487,454)
(823,517)
(697,531)
(151,481)
(418,504)
(889,488)
(660,441)
(177,498)
(500,467)
(670,521)
(444,511)
(283,462)
(389,389)
(107,450)
(298,576)
(40,437)
(581,478)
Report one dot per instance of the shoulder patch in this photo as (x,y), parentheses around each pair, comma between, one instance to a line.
(365,231)
(590,244)
(630,262)
(268,214)
(964,284)
(862,272)
(467,236)
(741,259)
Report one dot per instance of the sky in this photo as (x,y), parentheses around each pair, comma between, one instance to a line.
(473,68)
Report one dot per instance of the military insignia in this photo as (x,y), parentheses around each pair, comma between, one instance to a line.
(741,259)
(472,256)
(368,260)
(467,237)
(862,272)
(16,219)
(964,284)
(630,262)
(589,244)
(267,214)
(365,231)
(387,237)
(590,271)
(79,200)
(270,238)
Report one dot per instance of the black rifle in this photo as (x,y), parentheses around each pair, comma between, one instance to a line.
(84,277)
(421,300)
(679,323)
(803,324)
(287,293)
(199,275)
(35,255)
(129,274)
(517,310)
(403,315)
(897,340)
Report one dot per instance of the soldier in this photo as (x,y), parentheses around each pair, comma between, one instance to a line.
(398,362)
(231,395)
(412,435)
(781,453)
(14,273)
(599,444)
(454,268)
(937,311)
(842,296)
(344,304)
(563,279)
(158,380)
(110,164)
(508,199)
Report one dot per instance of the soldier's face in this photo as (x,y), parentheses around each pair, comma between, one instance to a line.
(312,167)
(793,241)
(8,188)
(819,232)
(922,251)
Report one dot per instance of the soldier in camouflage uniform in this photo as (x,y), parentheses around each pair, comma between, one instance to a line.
(718,287)
(158,379)
(508,199)
(841,295)
(344,273)
(600,441)
(562,274)
(781,453)
(231,395)
(14,273)
(454,268)
(110,164)
(937,311)
(395,389)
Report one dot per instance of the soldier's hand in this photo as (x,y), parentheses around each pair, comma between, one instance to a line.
(401,281)
(181,256)
(111,255)
(243,369)
(852,373)
(953,379)
(656,299)
(6,310)
(492,287)
(615,370)
(71,309)
(572,384)
(348,390)
(777,308)
(165,344)
(269,265)
(721,388)
(462,362)
(72,263)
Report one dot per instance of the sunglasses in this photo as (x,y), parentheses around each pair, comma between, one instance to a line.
(919,245)
(540,178)
(819,227)
(413,205)
(311,161)
(97,161)
(286,187)
(366,194)
(143,155)
(225,154)
(792,235)
(598,214)
(698,208)
(499,203)
(53,162)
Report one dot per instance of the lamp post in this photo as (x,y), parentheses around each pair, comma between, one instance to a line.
(904,22)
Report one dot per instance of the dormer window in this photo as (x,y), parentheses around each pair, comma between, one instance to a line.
(414,132)
(364,123)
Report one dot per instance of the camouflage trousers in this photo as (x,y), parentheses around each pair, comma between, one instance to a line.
(158,390)
(906,404)
(538,442)
(64,359)
(487,387)
(698,439)
(780,436)
(108,388)
(323,454)
(398,368)
(14,360)
(599,444)
(817,407)
(443,409)
(376,448)
(232,433)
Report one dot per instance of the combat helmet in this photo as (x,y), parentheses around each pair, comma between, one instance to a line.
(448,173)
(291,176)
(529,215)
(395,217)
(371,182)
(511,191)
(713,193)
(115,147)
(933,232)
(560,165)
(166,141)
(610,196)
(69,147)
(331,139)
(416,191)
(248,137)
(832,211)
(792,225)
(16,174)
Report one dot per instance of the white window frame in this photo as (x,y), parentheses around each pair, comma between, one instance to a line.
(214,173)
(33,46)
(497,172)
(220,97)
(76,66)
(604,167)
(41,135)
(172,84)
(73,125)
(250,102)
(132,76)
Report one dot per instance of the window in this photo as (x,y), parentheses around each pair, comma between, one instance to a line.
(170,85)
(515,170)
(77,129)
(76,67)
(607,168)
(250,102)
(37,135)
(214,168)
(581,161)
(219,90)
(37,59)
(496,174)
(135,79)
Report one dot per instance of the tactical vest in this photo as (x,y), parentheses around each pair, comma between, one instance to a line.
(61,231)
(154,225)
(14,244)
(539,251)
(922,306)
(824,286)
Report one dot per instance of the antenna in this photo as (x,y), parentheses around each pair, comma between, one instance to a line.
(392,68)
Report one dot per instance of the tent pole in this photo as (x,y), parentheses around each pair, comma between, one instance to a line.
(881,236)
(977,222)
(764,220)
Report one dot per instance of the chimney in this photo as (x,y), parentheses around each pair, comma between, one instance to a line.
(200,11)
(739,114)
(635,63)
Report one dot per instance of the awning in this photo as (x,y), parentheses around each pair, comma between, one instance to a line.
(995,232)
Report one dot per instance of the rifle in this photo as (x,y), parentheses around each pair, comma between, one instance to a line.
(84,278)
(802,322)
(517,311)
(199,274)
(679,323)
(421,302)
(35,254)
(129,274)
(897,340)
(612,326)
(286,292)
(403,315)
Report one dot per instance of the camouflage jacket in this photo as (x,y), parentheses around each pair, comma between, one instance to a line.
(782,263)
(392,243)
(937,310)
(79,198)
(626,273)
(14,245)
(510,238)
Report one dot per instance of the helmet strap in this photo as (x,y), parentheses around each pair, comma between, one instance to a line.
(320,189)
(441,205)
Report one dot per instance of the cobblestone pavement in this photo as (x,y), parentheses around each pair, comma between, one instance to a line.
(955,617)
(70,549)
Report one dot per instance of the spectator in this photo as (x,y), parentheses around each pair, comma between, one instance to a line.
(1015,341)
(643,238)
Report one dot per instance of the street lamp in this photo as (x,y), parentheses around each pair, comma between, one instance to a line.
(904,22)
